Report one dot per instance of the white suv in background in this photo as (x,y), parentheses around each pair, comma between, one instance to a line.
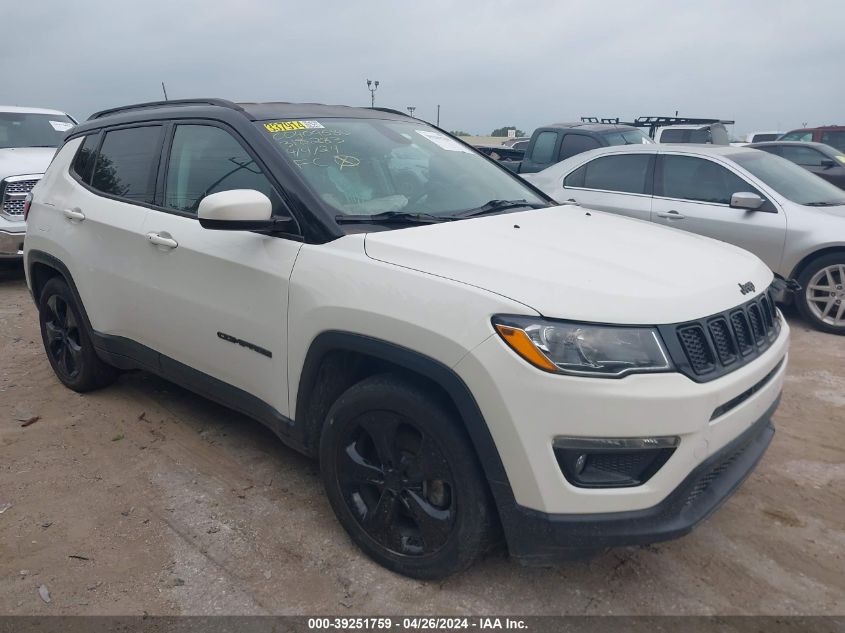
(28,140)
(463,357)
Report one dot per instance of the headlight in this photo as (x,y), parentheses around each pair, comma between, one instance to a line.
(583,349)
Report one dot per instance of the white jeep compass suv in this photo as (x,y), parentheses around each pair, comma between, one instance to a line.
(28,140)
(461,356)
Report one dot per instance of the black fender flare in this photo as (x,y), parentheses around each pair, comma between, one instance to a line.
(435,371)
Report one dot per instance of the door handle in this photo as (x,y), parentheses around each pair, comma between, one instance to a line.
(671,215)
(74,214)
(162,239)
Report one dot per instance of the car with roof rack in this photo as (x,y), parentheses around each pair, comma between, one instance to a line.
(464,357)
(28,139)
(668,129)
(790,218)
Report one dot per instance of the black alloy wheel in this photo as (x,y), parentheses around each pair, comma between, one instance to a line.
(67,341)
(397,483)
(403,478)
(62,337)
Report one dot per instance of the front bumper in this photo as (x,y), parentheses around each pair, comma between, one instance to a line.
(11,244)
(539,538)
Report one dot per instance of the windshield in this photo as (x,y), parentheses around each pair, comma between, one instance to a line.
(23,129)
(373,166)
(628,137)
(789,180)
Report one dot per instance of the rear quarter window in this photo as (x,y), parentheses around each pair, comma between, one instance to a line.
(83,162)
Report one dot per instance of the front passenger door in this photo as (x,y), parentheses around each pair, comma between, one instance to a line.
(216,301)
(693,194)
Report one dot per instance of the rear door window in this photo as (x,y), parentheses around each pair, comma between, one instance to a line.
(127,163)
(629,173)
(573,144)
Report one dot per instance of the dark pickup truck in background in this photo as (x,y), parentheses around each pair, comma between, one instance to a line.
(553,143)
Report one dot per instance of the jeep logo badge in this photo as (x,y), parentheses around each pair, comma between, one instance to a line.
(746,287)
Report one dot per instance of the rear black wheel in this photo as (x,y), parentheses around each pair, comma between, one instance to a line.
(67,342)
(403,479)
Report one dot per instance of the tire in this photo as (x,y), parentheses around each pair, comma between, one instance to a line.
(404,480)
(821,300)
(67,341)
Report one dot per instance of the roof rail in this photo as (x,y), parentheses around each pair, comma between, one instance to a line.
(593,119)
(659,121)
(392,111)
(166,104)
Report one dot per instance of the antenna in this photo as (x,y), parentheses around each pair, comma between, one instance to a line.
(164,90)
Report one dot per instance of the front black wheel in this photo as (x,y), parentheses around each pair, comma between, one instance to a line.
(67,342)
(403,479)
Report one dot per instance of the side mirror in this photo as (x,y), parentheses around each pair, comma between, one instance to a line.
(239,210)
(827,163)
(746,200)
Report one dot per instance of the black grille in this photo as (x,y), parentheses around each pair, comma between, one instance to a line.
(720,331)
(720,343)
(697,349)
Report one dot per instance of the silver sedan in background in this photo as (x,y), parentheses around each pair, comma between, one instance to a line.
(790,218)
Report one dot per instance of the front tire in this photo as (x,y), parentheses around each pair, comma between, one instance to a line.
(403,479)
(67,341)
(822,298)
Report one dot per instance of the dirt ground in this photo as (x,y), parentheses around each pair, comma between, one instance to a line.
(145,498)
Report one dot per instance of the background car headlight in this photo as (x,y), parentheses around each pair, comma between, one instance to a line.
(584,349)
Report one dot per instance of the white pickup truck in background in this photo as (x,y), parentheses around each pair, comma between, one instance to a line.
(28,141)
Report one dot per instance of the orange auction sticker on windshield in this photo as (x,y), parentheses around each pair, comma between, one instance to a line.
(288,126)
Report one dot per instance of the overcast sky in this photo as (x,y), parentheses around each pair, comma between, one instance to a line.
(766,64)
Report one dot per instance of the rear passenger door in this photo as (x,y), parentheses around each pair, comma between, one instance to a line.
(617,183)
(102,220)
(693,194)
(216,301)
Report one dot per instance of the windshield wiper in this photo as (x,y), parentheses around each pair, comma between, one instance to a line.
(494,206)
(824,204)
(391,217)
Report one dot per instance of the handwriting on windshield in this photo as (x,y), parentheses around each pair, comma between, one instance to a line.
(316,147)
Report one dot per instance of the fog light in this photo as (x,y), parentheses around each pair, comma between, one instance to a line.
(612,462)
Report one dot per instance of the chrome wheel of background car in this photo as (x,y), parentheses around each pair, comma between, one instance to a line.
(826,295)
(63,341)
(397,483)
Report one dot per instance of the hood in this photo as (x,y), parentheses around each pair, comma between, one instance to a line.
(21,161)
(838,211)
(574,263)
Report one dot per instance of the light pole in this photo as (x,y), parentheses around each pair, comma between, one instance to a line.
(411,110)
(372,86)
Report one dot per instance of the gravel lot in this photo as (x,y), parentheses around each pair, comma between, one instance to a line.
(145,498)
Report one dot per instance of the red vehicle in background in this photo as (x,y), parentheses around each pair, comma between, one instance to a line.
(833,135)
